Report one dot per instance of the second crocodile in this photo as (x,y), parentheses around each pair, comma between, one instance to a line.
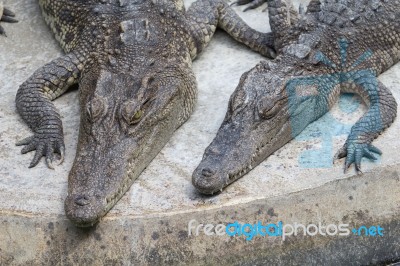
(336,46)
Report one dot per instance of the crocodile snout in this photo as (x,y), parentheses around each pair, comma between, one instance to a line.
(83,210)
(207,181)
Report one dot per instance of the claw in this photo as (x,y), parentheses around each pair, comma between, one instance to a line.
(37,157)
(349,160)
(240,2)
(6,15)
(302,11)
(374,149)
(247,8)
(8,19)
(358,156)
(2,31)
(8,12)
(62,153)
(49,157)
(60,149)
(358,169)
(347,166)
(49,163)
(25,141)
(254,5)
(369,154)
(30,147)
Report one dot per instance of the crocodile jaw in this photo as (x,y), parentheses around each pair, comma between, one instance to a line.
(100,176)
(246,137)
(114,146)
(232,154)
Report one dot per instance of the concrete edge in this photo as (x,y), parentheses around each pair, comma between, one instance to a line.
(163,240)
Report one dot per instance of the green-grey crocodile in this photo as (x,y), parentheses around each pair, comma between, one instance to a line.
(132,60)
(335,46)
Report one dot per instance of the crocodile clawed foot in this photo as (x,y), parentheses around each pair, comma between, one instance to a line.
(45,146)
(240,2)
(7,16)
(252,4)
(354,152)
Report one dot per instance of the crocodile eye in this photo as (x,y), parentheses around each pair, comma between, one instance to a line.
(136,117)
(268,108)
(131,112)
(95,108)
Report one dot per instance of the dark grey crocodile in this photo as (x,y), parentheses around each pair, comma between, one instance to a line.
(6,15)
(336,46)
(132,60)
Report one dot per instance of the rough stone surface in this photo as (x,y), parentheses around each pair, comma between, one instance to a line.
(149,224)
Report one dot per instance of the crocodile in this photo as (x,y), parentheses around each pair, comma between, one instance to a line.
(331,47)
(132,61)
(6,15)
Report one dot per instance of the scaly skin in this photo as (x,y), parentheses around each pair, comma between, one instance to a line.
(333,48)
(132,61)
(6,15)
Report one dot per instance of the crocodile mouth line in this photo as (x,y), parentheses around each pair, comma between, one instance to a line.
(247,168)
(255,158)
(123,188)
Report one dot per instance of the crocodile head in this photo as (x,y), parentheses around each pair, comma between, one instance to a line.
(256,124)
(125,121)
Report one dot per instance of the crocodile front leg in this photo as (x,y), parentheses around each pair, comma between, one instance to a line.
(282,16)
(6,15)
(381,114)
(204,16)
(36,109)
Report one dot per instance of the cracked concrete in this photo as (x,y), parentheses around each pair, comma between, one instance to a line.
(149,224)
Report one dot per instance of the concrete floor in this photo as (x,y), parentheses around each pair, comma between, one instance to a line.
(149,224)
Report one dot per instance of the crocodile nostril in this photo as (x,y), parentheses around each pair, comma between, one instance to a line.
(82,200)
(207,172)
